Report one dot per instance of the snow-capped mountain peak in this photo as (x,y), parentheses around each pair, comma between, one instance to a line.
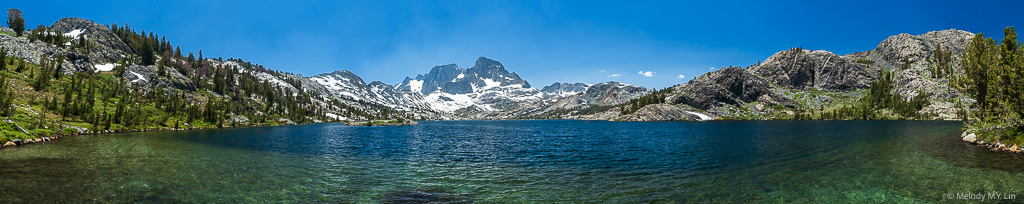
(485,88)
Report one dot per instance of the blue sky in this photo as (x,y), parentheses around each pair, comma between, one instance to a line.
(544,42)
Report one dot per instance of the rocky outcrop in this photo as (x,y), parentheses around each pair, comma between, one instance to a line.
(104,45)
(911,57)
(919,48)
(22,48)
(149,76)
(819,69)
(727,86)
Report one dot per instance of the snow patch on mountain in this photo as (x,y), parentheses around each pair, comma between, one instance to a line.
(451,102)
(105,67)
(74,33)
(140,77)
(270,78)
(416,85)
(701,116)
(331,83)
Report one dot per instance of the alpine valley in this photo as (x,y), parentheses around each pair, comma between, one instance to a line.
(76,76)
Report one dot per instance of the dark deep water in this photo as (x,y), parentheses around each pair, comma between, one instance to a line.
(517,161)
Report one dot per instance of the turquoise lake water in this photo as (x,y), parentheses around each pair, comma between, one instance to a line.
(517,161)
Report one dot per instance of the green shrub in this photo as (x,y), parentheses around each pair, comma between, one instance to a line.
(69,130)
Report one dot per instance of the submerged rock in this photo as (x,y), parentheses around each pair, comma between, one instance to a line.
(429,195)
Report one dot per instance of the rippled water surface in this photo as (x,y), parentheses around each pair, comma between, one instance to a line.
(517,161)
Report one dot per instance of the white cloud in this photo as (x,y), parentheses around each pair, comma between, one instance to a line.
(681,76)
(614,75)
(647,73)
(712,68)
(602,71)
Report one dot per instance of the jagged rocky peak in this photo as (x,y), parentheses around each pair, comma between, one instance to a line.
(564,89)
(107,48)
(823,70)
(434,80)
(492,69)
(452,79)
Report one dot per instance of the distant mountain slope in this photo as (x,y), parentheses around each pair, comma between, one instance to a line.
(602,96)
(77,76)
(799,83)
(486,90)
(563,90)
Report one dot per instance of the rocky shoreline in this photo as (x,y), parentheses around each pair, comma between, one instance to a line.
(21,142)
(998,146)
(382,123)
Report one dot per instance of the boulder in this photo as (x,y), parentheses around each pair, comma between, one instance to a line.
(972,138)
(9,144)
(1015,149)
(18,141)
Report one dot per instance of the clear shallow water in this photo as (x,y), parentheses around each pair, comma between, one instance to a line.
(517,161)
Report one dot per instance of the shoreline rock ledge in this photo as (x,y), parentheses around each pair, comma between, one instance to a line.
(972,138)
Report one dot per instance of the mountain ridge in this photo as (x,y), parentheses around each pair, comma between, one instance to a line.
(488,90)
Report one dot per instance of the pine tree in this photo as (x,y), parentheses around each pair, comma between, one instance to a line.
(1013,69)
(42,80)
(21,66)
(15,21)
(6,97)
(3,59)
(147,55)
(81,42)
(977,63)
(57,73)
